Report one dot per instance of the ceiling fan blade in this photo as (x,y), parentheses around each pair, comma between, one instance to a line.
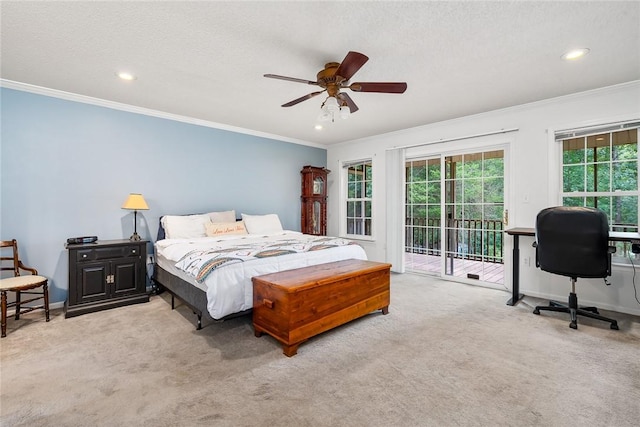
(351,64)
(302,98)
(347,99)
(383,87)
(291,79)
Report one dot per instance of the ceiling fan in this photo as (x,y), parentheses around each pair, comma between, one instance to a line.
(335,77)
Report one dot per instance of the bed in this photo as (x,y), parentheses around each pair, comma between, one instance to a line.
(208,260)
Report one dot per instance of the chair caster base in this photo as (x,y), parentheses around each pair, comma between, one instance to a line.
(575,310)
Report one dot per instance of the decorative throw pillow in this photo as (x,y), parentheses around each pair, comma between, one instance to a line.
(184,226)
(262,224)
(225,216)
(224,228)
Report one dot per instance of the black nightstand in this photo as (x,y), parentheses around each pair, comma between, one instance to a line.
(106,274)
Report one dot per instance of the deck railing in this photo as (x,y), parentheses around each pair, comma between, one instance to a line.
(474,239)
(471,239)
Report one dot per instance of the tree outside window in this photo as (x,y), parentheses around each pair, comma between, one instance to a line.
(601,171)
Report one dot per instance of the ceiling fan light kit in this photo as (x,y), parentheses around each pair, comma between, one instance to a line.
(330,109)
(345,112)
(334,77)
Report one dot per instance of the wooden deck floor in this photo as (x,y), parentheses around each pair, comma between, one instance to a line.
(488,271)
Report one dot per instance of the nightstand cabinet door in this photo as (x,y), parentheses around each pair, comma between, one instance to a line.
(126,280)
(92,278)
(106,274)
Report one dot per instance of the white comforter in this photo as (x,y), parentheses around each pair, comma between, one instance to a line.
(229,288)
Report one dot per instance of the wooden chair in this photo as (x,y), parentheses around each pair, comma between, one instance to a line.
(20,285)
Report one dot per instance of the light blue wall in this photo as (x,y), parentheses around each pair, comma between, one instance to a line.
(67,167)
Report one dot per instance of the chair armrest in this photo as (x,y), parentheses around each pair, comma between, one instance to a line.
(33,271)
(535,245)
(610,250)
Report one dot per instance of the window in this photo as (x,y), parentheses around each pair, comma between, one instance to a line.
(359,194)
(600,170)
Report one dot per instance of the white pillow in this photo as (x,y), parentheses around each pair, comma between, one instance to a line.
(185,226)
(262,224)
(226,216)
(224,228)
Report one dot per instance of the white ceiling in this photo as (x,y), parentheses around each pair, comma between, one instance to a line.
(205,60)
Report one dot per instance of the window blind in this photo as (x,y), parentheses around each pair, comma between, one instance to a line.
(594,130)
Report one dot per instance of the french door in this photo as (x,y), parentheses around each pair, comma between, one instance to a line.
(455,215)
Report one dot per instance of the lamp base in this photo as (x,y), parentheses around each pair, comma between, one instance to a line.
(135,237)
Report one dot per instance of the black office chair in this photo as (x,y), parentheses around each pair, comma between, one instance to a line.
(574,242)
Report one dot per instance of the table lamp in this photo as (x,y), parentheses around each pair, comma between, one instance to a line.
(136,203)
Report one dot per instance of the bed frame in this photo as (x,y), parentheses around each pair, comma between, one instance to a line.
(192,296)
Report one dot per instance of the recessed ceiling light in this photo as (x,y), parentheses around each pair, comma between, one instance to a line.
(126,76)
(575,54)
(318,127)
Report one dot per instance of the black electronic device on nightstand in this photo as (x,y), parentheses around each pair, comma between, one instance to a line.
(81,240)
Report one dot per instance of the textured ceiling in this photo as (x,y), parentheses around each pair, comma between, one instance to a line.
(205,60)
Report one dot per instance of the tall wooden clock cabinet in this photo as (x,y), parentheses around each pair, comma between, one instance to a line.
(314,200)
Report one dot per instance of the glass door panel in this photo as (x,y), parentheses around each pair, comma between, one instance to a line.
(423,215)
(474,206)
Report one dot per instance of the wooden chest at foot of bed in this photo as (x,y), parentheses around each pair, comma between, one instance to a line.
(295,305)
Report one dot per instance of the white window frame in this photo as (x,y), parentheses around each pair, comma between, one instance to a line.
(556,189)
(344,180)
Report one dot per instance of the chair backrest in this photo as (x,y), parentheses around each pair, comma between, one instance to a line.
(573,241)
(10,263)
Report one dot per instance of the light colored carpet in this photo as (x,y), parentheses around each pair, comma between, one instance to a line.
(447,354)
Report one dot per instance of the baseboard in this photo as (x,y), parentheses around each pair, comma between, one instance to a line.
(55,305)
(52,306)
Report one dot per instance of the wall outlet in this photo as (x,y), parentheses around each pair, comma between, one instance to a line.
(149,259)
(527,261)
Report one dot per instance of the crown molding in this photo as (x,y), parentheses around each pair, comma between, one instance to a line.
(69,96)
(412,131)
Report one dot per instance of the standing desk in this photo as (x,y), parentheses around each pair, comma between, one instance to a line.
(614,236)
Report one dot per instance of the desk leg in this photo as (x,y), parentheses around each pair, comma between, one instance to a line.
(515,293)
